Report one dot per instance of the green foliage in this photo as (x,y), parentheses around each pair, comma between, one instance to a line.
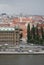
(32,40)
(33,32)
(36,42)
(28,33)
(42,32)
(37,33)
(41,41)
(33,35)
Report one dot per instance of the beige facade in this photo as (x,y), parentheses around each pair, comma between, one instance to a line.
(9,35)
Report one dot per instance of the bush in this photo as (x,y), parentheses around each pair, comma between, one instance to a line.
(41,41)
(36,42)
(32,41)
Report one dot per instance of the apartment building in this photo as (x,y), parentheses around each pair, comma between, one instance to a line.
(9,35)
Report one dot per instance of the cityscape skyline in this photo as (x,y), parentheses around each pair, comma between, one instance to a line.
(34,7)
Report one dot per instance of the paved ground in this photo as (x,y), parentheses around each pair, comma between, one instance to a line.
(22,47)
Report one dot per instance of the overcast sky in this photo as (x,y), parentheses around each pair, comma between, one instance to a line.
(33,7)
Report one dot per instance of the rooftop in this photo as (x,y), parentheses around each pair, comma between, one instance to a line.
(7,28)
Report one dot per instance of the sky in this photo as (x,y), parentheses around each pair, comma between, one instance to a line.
(31,7)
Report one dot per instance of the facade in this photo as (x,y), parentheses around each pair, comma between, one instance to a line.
(9,35)
(21,21)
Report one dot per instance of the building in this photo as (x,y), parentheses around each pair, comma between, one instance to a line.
(9,35)
(21,21)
